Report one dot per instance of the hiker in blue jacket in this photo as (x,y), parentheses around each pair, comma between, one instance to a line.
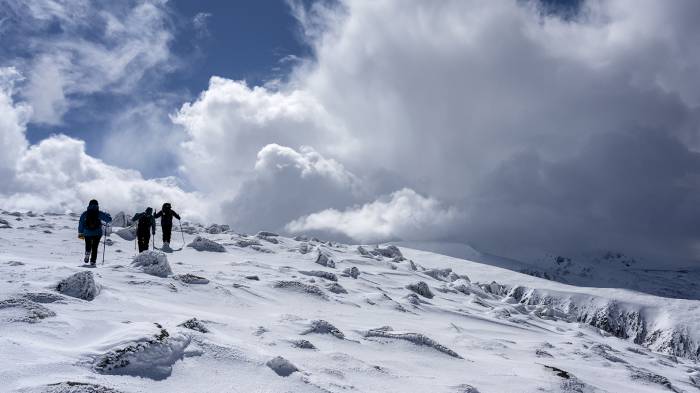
(90,229)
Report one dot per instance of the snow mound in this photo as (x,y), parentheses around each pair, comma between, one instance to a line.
(151,357)
(4,224)
(281,366)
(203,244)
(128,234)
(325,258)
(415,338)
(194,324)
(320,273)
(71,387)
(353,272)
(191,279)
(152,262)
(121,220)
(300,287)
(80,285)
(421,288)
(23,310)
(320,326)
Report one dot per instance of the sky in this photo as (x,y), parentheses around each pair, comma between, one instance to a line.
(521,127)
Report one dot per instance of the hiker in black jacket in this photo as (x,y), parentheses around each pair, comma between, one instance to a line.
(166,222)
(146,225)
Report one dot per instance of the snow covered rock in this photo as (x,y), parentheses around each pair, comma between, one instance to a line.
(153,262)
(4,224)
(353,272)
(150,357)
(325,258)
(203,244)
(23,310)
(320,326)
(390,251)
(320,273)
(191,279)
(44,297)
(446,275)
(81,285)
(336,288)
(421,288)
(71,387)
(464,388)
(194,324)
(215,229)
(304,248)
(246,242)
(128,234)
(281,366)
(303,344)
(268,237)
(415,338)
(300,287)
(121,220)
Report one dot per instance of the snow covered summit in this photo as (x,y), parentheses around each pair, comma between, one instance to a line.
(270,313)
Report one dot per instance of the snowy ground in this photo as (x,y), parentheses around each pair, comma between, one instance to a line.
(519,334)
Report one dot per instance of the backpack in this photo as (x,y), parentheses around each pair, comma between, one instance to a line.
(92,219)
(144,224)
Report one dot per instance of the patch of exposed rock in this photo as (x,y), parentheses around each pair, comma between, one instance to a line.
(281,366)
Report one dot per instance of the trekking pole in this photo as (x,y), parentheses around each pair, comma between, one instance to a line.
(154,241)
(104,247)
(182,233)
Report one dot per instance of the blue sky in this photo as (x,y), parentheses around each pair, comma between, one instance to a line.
(243,40)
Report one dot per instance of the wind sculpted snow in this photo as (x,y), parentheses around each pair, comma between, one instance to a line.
(376,319)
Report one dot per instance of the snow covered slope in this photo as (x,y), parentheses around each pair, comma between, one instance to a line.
(273,314)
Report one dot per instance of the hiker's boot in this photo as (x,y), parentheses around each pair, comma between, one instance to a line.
(87,257)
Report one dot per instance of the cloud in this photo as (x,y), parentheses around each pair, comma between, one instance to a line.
(286,183)
(73,49)
(544,131)
(230,123)
(403,215)
(57,175)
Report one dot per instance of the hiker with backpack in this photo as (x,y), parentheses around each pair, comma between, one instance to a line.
(166,223)
(90,229)
(146,225)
